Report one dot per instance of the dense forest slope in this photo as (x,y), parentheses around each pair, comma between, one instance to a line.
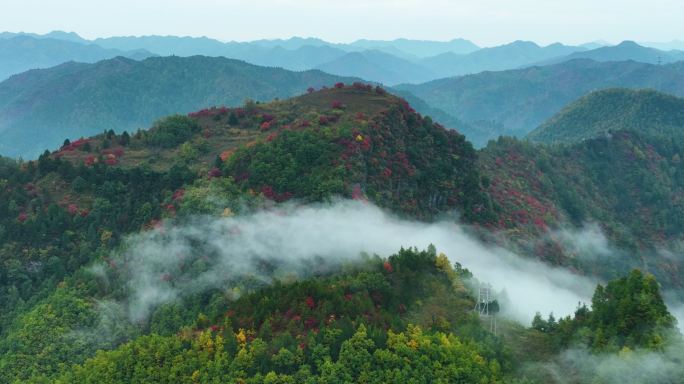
(347,141)
(629,184)
(70,208)
(517,101)
(602,112)
(38,109)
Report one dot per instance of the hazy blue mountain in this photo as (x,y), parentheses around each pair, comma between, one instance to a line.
(378,66)
(57,35)
(165,45)
(508,56)
(191,46)
(627,50)
(299,59)
(292,43)
(394,51)
(665,46)
(419,48)
(294,54)
(22,52)
(40,108)
(595,44)
(520,100)
(602,112)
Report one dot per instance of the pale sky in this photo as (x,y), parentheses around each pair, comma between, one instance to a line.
(486,22)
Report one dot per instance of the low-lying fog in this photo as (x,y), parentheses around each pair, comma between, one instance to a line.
(340,232)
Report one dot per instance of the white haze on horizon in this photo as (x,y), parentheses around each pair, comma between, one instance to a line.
(337,233)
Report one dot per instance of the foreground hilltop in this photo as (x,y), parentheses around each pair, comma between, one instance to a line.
(349,140)
(358,141)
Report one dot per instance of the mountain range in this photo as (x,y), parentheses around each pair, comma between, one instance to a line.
(23,52)
(405,61)
(627,50)
(508,56)
(125,94)
(517,101)
(379,66)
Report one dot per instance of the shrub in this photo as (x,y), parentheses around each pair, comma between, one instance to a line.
(172,131)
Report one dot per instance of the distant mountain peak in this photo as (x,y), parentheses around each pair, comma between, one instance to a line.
(523,43)
(629,44)
(62,35)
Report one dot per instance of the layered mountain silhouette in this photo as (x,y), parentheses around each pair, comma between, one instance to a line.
(515,102)
(627,50)
(40,108)
(19,53)
(404,60)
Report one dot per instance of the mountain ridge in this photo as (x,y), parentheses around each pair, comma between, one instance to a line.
(602,112)
(520,100)
(123,94)
(24,52)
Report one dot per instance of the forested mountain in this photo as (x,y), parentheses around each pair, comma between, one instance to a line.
(517,101)
(119,251)
(38,109)
(602,112)
(69,208)
(23,52)
(629,184)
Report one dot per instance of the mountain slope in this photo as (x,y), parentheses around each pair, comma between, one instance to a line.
(601,112)
(22,52)
(379,67)
(627,186)
(123,94)
(358,141)
(520,100)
